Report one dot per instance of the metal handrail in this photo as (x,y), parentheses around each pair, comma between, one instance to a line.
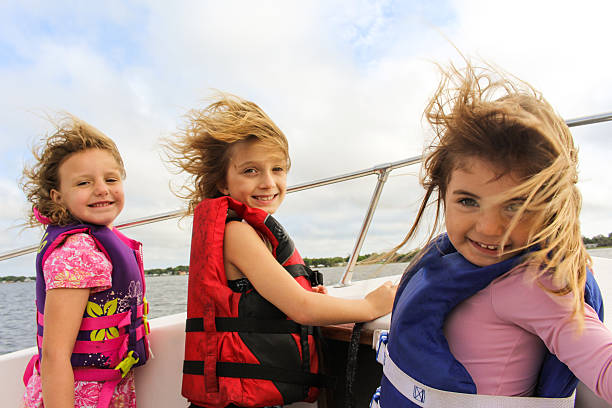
(347,276)
(128,224)
(589,120)
(382,170)
(356,174)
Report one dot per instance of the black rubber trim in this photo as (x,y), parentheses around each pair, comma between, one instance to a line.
(245,325)
(259,372)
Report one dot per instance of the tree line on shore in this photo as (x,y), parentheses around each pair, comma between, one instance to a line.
(340,261)
(176,270)
(12,278)
(598,241)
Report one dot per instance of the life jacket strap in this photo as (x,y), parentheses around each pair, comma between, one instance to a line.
(246,325)
(314,277)
(104,322)
(429,397)
(110,378)
(119,343)
(259,372)
(33,364)
(145,312)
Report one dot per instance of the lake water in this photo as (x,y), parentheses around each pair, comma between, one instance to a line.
(166,295)
(601,252)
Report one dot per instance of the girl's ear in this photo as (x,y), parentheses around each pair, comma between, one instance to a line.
(56,196)
(222,187)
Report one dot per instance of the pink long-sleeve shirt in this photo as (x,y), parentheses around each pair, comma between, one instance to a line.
(501,334)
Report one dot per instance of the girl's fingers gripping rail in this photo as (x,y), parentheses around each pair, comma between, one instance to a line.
(381,298)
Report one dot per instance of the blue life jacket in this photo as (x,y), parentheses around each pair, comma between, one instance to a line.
(427,293)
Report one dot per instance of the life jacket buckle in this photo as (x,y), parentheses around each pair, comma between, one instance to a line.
(145,312)
(126,364)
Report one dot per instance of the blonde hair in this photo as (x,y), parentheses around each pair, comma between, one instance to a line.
(484,113)
(71,135)
(203,148)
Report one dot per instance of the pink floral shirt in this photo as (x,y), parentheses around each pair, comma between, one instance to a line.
(78,263)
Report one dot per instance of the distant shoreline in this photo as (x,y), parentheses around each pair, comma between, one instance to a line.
(16,279)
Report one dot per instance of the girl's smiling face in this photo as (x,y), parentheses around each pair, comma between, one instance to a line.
(475,219)
(256,176)
(90,187)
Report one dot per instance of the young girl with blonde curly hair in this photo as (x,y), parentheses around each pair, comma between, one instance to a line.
(89,277)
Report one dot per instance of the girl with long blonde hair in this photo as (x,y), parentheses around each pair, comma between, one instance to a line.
(252,303)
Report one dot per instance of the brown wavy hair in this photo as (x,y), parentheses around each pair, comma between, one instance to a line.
(203,147)
(71,135)
(485,113)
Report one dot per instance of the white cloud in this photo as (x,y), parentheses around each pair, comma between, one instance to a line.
(347,82)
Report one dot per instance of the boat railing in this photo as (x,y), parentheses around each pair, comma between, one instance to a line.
(381,170)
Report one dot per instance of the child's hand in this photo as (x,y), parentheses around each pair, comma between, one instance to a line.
(320,289)
(381,298)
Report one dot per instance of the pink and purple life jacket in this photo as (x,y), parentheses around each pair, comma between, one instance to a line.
(113,334)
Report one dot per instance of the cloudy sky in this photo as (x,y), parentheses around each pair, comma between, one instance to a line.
(347,81)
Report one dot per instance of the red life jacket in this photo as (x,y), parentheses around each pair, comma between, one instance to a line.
(239,348)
